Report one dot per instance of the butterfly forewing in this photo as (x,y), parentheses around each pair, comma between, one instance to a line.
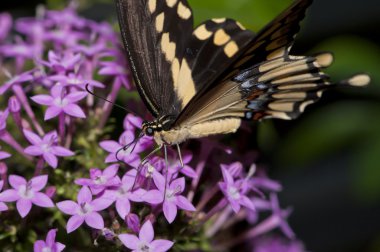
(155,33)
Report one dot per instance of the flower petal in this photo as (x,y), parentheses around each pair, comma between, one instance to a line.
(60,151)
(68,207)
(33,150)
(178,185)
(170,211)
(43,99)
(3,207)
(74,110)
(76,96)
(9,195)
(23,207)
(159,181)
(59,246)
(101,204)
(16,181)
(184,203)
(130,241)
(50,159)
(161,245)
(111,171)
(42,200)
(146,232)
(50,237)
(245,201)
(94,220)
(74,222)
(52,112)
(153,197)
(39,182)
(227,176)
(39,246)
(110,146)
(84,195)
(123,207)
(32,137)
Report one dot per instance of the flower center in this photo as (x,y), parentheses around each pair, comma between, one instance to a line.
(61,102)
(25,191)
(233,192)
(170,194)
(85,208)
(143,247)
(46,249)
(100,180)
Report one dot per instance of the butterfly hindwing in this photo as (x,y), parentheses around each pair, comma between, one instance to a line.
(155,33)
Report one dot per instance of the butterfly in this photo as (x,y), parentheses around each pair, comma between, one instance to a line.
(205,80)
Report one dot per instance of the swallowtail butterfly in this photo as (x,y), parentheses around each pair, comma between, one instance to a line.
(202,81)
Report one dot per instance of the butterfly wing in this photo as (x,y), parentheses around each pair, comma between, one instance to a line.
(155,34)
(265,80)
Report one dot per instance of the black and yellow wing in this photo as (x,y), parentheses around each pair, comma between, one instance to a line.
(264,80)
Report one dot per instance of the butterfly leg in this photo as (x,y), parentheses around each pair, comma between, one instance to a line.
(180,156)
(143,162)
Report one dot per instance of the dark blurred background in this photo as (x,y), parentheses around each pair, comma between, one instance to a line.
(329,159)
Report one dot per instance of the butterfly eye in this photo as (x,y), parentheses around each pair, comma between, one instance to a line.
(149,131)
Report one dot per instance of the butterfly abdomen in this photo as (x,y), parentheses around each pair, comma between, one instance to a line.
(181,134)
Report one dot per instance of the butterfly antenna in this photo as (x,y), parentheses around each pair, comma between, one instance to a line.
(113,103)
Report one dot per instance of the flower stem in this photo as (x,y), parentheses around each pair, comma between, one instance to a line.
(39,166)
(61,127)
(222,204)
(8,139)
(19,92)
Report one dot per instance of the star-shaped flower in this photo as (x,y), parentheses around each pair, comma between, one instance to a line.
(46,147)
(170,195)
(101,180)
(50,245)
(144,242)
(123,194)
(59,103)
(85,210)
(234,192)
(3,207)
(27,193)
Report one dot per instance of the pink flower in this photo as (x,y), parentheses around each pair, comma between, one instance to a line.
(27,193)
(86,210)
(101,180)
(145,241)
(46,147)
(233,191)
(59,103)
(3,207)
(49,245)
(173,198)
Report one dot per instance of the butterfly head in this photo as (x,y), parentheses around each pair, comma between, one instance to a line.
(149,128)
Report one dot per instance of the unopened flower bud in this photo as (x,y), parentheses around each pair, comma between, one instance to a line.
(14,105)
(133,222)
(50,191)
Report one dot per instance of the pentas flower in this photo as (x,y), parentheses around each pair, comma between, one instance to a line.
(277,244)
(5,25)
(186,170)
(3,207)
(100,180)
(18,79)
(118,70)
(3,119)
(50,245)
(59,103)
(233,192)
(46,147)
(67,18)
(91,50)
(4,155)
(19,50)
(123,195)
(27,193)
(132,122)
(145,241)
(84,210)
(170,196)
(118,151)
(62,63)
(75,80)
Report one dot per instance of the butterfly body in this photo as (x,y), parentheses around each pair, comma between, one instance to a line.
(204,81)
